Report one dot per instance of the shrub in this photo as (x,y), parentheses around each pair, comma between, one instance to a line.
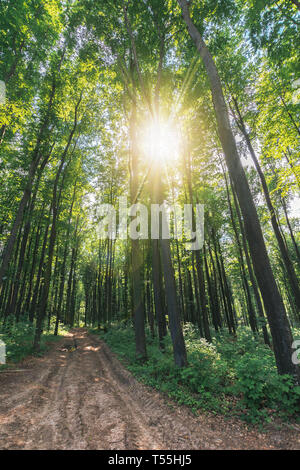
(18,338)
(233,374)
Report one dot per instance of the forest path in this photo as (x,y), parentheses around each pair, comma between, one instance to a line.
(84,398)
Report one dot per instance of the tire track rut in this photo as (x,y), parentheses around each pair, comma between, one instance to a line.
(79,396)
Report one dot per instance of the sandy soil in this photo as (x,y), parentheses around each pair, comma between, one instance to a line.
(84,398)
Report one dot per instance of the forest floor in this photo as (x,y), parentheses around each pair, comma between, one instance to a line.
(79,396)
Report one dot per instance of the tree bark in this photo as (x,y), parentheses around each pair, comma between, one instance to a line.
(280,240)
(136,259)
(279,325)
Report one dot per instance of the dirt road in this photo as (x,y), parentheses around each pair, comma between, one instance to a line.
(83,398)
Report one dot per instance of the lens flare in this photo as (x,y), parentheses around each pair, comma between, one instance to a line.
(160,141)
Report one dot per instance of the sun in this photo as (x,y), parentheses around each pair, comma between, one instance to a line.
(160,141)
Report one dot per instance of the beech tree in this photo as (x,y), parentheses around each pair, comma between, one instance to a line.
(157,102)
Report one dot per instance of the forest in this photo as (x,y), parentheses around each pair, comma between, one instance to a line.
(156,103)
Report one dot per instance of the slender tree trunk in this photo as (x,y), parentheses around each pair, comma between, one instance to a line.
(251,273)
(34,300)
(179,350)
(55,212)
(47,277)
(33,264)
(280,239)
(158,293)
(251,311)
(199,258)
(292,166)
(199,318)
(7,252)
(213,298)
(290,229)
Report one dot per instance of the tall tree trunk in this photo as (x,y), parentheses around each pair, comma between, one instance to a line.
(136,258)
(179,350)
(279,325)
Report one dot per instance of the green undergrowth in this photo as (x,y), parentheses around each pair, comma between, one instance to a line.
(232,376)
(18,338)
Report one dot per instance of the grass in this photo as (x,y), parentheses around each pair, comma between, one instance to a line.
(18,338)
(232,376)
